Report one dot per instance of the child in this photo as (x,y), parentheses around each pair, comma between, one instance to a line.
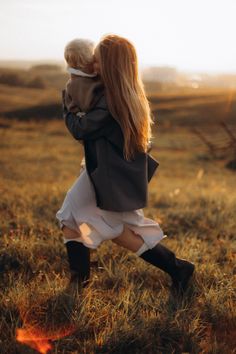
(112,190)
(84,87)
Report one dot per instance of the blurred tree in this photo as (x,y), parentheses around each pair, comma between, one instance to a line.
(11,79)
(46,67)
(36,82)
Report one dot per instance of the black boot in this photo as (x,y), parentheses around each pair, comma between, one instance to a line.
(180,270)
(79,262)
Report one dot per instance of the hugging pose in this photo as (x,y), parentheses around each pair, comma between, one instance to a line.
(106,109)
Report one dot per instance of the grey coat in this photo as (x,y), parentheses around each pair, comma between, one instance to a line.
(119,185)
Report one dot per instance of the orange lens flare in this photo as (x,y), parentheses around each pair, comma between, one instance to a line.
(34,339)
(38,340)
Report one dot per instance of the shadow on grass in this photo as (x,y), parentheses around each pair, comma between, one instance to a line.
(151,337)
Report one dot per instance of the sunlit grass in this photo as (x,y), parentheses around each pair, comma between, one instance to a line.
(126,308)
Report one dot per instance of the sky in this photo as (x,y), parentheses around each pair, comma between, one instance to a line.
(191,35)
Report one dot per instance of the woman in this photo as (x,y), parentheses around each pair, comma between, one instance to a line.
(109,195)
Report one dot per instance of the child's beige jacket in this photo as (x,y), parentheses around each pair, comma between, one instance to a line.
(82,92)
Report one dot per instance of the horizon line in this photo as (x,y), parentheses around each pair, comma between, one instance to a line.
(142,66)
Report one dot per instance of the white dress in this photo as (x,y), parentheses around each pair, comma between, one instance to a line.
(80,212)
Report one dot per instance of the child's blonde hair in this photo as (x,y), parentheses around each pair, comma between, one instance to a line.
(78,53)
(125,93)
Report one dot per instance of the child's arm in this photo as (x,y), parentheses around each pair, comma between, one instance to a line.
(92,126)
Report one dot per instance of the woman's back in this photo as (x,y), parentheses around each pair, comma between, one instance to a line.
(114,178)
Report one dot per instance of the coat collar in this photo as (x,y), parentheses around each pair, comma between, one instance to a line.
(79,72)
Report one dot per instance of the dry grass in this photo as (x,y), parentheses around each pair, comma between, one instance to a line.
(14,98)
(126,308)
(181,105)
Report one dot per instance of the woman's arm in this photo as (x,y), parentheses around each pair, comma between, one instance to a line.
(92,125)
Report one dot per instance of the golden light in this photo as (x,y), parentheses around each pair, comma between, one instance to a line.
(39,340)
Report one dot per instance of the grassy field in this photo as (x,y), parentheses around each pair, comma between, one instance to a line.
(182,106)
(127,307)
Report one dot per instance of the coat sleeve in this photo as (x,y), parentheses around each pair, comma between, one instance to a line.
(69,99)
(92,125)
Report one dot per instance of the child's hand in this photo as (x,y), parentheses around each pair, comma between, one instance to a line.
(149,146)
(80,114)
(82,165)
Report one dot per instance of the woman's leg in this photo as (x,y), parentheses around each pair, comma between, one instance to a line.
(160,256)
(70,234)
(129,240)
(78,256)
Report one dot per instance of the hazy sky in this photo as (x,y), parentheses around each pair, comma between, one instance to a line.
(188,34)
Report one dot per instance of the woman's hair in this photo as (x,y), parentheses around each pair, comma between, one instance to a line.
(125,94)
(78,53)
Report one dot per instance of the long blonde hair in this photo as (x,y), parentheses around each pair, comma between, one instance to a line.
(125,94)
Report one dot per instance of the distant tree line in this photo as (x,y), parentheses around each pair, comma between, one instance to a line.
(22,79)
(38,76)
(46,67)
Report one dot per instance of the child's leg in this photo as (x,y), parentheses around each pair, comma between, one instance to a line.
(78,256)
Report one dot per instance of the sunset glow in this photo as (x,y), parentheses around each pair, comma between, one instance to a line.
(188,35)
